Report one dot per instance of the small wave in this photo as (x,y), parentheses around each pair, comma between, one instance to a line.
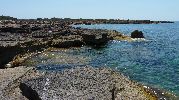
(115,41)
(139,39)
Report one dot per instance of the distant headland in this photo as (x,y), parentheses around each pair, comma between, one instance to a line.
(89,21)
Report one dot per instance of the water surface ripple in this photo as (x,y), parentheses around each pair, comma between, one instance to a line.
(153,62)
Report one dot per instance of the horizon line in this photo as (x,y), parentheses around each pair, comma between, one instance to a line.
(85,18)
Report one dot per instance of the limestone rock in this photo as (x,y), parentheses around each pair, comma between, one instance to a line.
(84,83)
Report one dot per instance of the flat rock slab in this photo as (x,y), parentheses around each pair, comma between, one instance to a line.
(82,83)
(9,76)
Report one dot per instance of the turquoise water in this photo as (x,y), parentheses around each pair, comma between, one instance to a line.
(152,62)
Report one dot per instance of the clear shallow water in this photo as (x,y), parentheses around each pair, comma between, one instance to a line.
(153,62)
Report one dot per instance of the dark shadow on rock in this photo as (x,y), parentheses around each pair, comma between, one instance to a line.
(8,53)
(28,92)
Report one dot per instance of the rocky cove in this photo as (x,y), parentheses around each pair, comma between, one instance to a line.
(19,81)
(78,38)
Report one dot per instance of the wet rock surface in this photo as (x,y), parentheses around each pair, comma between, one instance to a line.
(160,94)
(58,59)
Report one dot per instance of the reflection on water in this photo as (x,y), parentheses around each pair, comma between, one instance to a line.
(153,62)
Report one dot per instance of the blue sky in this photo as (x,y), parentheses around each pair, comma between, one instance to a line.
(117,9)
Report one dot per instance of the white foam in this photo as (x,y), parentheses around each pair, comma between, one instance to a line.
(138,39)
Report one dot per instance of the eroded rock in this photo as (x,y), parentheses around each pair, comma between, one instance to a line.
(95,37)
(137,34)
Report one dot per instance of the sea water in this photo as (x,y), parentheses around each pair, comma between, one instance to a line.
(153,62)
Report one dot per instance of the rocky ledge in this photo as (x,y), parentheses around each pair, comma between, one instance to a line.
(15,54)
(79,83)
(84,83)
(10,79)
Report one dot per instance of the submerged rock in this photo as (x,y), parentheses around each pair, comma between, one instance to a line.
(137,34)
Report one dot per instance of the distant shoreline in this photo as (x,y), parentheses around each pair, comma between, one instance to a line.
(89,21)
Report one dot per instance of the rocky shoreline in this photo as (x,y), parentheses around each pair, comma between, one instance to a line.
(25,39)
(95,38)
(24,82)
